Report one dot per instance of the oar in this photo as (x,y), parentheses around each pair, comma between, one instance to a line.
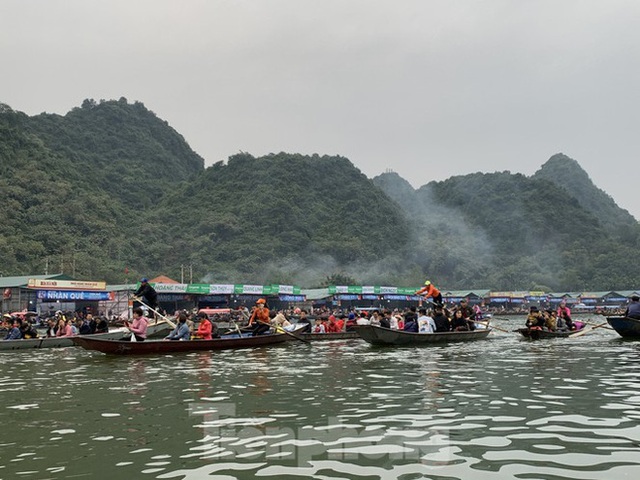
(171,324)
(593,325)
(586,330)
(492,327)
(284,331)
(237,328)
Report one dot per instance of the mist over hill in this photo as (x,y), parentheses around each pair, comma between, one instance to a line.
(110,186)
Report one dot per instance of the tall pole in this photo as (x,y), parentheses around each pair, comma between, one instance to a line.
(191,273)
(181,273)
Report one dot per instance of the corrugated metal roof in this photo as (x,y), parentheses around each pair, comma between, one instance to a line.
(316,293)
(22,281)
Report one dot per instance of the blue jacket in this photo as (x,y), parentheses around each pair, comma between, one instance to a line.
(14,334)
(181,332)
(411,326)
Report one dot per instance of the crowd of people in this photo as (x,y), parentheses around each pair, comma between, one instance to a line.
(59,324)
(550,320)
(437,318)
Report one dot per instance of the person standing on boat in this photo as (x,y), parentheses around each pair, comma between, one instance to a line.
(633,310)
(429,290)
(139,325)
(259,321)
(148,294)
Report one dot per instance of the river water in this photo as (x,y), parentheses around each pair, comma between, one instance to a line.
(500,408)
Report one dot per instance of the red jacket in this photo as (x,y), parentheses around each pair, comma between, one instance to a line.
(204,329)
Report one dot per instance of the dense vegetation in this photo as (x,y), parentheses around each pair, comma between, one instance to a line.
(110,186)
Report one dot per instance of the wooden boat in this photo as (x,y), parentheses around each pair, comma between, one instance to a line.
(120,347)
(325,337)
(376,335)
(62,342)
(58,342)
(626,327)
(542,334)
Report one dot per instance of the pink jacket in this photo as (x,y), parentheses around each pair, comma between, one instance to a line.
(139,327)
(67,331)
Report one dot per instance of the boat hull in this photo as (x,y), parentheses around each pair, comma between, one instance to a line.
(384,336)
(543,334)
(625,327)
(119,347)
(325,337)
(57,342)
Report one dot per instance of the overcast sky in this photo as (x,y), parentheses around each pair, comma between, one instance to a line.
(428,89)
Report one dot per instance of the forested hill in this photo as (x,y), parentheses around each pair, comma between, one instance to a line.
(567,174)
(123,148)
(110,186)
(510,231)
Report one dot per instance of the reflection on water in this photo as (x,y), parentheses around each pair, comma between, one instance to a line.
(500,408)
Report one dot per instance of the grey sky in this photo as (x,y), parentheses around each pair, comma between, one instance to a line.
(429,89)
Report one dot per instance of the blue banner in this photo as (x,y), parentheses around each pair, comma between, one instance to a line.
(71,296)
(348,297)
(292,298)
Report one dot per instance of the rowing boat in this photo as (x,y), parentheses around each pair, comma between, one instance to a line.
(58,342)
(626,327)
(377,335)
(62,342)
(543,334)
(120,347)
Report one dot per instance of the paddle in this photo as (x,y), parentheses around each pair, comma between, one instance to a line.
(284,331)
(171,324)
(492,327)
(586,330)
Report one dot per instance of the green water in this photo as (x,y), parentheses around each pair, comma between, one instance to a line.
(492,409)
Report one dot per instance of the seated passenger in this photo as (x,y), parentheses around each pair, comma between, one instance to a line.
(64,328)
(332,325)
(410,324)
(467,313)
(14,332)
(534,319)
(550,320)
(385,321)
(181,332)
(633,310)
(205,327)
(318,327)
(425,323)
(27,330)
(101,325)
(567,320)
(441,320)
(459,323)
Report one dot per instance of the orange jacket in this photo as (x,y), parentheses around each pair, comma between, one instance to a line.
(428,291)
(260,315)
